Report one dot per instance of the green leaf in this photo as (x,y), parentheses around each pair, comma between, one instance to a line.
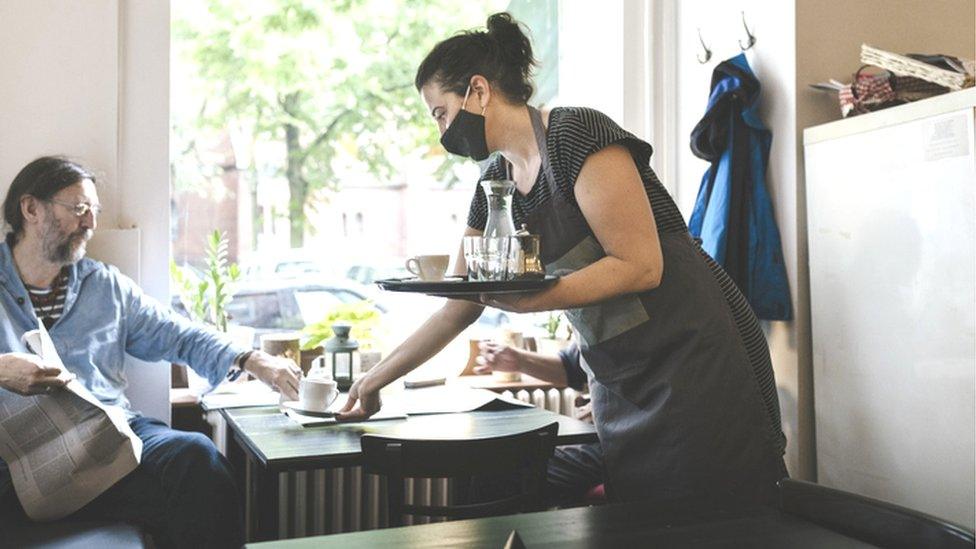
(207,299)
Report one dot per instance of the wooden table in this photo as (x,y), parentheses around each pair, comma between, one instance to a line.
(272,443)
(612,526)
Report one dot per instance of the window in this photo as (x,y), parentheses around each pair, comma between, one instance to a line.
(296,130)
(256,310)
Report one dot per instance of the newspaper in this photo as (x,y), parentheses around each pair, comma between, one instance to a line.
(419,402)
(66,448)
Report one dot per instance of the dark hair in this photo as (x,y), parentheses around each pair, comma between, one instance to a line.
(42,178)
(502,54)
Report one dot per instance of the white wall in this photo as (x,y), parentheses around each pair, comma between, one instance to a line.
(605,51)
(91,80)
(635,61)
(591,68)
(59,87)
(773,61)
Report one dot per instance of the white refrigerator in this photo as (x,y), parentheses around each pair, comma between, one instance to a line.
(891,222)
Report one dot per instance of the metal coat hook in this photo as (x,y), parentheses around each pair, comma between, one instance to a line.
(750,38)
(708,52)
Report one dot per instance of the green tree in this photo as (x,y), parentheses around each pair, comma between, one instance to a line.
(323,79)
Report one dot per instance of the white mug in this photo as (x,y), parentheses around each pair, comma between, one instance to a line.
(316,394)
(428,267)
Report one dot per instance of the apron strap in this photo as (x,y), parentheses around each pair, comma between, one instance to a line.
(540,139)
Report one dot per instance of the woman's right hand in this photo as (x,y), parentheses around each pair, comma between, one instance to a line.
(26,374)
(366,396)
(497,357)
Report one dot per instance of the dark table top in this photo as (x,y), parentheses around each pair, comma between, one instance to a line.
(279,443)
(613,526)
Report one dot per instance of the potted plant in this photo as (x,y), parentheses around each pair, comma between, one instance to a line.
(556,338)
(206,297)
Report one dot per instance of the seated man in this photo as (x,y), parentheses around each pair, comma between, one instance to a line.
(182,491)
(573,470)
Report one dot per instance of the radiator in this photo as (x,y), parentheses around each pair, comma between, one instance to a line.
(331,501)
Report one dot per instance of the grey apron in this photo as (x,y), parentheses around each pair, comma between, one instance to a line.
(676,407)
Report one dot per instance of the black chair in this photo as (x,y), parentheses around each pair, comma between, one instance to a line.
(523,456)
(870,520)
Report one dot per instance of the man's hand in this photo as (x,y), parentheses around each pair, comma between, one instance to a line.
(585,412)
(26,374)
(497,357)
(281,374)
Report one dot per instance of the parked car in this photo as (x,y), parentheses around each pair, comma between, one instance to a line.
(368,274)
(284,305)
(291,263)
(271,306)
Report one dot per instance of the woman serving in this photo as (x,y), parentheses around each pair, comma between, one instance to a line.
(682,388)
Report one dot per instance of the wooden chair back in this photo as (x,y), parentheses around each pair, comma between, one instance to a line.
(523,455)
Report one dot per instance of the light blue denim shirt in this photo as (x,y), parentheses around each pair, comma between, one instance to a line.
(106,316)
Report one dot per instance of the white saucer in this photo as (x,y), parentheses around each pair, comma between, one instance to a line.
(296,406)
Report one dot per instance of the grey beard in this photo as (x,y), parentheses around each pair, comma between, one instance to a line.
(67,251)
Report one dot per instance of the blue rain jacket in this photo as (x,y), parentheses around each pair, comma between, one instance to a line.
(733,215)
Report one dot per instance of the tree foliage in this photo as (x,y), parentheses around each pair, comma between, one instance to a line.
(313,81)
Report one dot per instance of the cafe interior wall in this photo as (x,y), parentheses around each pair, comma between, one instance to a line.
(797,42)
(90,80)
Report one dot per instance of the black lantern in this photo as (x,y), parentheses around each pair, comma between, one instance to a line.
(342,355)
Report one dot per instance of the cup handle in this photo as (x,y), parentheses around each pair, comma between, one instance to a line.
(334,398)
(409,263)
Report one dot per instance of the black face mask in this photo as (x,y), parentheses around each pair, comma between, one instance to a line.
(466,134)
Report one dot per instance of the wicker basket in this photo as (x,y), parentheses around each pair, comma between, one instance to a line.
(906,66)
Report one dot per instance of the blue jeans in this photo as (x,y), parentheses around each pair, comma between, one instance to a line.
(183,492)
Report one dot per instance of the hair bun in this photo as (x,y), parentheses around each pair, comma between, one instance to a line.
(502,22)
(502,54)
(513,45)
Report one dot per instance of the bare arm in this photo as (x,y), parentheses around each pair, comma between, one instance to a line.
(439,330)
(503,358)
(611,196)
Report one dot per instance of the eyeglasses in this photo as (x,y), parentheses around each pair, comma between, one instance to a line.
(80,209)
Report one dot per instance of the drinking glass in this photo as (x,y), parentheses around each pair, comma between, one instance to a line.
(495,263)
(472,256)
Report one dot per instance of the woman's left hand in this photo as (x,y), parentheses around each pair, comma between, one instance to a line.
(516,303)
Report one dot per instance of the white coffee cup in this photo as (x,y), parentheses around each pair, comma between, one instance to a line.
(316,394)
(428,267)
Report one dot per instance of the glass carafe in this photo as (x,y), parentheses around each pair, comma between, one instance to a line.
(499,194)
(499,230)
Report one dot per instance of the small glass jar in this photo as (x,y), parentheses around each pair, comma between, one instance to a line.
(525,256)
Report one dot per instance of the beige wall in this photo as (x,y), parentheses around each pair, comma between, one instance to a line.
(829,34)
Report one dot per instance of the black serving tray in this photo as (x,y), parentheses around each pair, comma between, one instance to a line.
(460,286)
